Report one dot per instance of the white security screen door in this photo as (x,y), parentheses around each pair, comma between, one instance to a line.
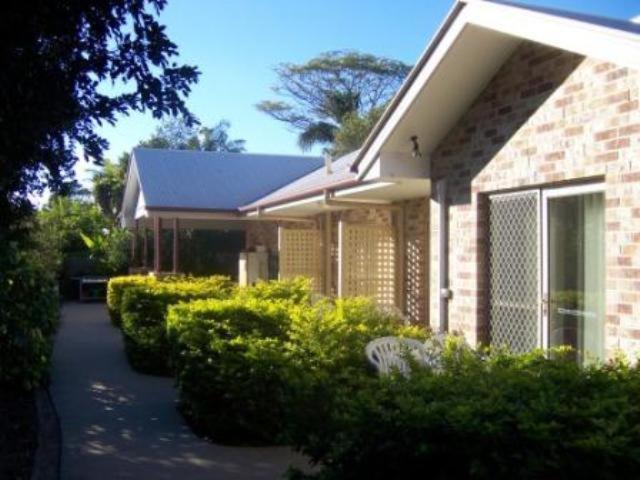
(546,270)
(514,266)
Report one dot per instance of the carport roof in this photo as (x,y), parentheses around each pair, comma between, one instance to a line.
(194,180)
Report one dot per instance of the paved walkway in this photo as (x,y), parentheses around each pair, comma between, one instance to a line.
(120,424)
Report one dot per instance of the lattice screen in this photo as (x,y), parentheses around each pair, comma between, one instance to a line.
(300,255)
(368,260)
(514,271)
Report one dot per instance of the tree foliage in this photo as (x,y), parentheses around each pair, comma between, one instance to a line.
(354,130)
(179,134)
(70,228)
(108,186)
(319,95)
(56,58)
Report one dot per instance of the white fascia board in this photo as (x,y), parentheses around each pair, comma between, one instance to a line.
(363,188)
(141,208)
(412,93)
(295,203)
(576,36)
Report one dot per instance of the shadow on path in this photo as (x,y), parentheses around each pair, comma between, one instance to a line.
(117,423)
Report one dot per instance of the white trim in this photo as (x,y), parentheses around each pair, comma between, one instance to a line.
(580,36)
(572,190)
(364,188)
(412,93)
(295,203)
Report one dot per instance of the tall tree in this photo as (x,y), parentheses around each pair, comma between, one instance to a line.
(178,134)
(354,130)
(55,57)
(108,186)
(319,95)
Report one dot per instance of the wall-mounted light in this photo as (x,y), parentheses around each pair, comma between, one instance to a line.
(415,151)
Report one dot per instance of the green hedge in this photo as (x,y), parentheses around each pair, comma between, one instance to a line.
(249,369)
(228,360)
(501,417)
(115,291)
(296,290)
(325,359)
(144,311)
(28,318)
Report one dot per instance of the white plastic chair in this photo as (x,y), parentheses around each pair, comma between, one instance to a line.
(388,354)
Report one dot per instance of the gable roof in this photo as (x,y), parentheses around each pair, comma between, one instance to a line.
(473,42)
(207,181)
(312,183)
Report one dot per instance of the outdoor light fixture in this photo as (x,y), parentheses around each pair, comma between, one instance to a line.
(415,151)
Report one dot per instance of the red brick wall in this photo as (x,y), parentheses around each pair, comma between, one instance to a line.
(547,117)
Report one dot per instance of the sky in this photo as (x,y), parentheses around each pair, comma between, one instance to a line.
(236,44)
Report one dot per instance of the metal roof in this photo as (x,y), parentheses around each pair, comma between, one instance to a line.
(185,179)
(314,182)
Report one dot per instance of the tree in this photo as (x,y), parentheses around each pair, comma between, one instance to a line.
(108,186)
(178,134)
(56,58)
(354,130)
(319,95)
(74,228)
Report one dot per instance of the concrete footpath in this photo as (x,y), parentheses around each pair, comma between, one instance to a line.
(120,424)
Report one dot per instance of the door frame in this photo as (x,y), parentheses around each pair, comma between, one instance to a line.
(545,195)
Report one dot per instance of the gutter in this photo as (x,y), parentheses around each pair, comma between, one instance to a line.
(411,77)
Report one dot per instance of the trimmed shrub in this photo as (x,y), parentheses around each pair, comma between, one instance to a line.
(325,358)
(255,370)
(229,360)
(296,290)
(116,289)
(502,417)
(144,311)
(28,318)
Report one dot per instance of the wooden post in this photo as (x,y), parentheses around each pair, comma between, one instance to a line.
(328,263)
(176,245)
(145,247)
(157,246)
(401,259)
(134,245)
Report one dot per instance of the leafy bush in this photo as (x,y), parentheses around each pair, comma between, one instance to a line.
(144,309)
(116,289)
(228,359)
(29,306)
(325,355)
(505,416)
(296,290)
(253,369)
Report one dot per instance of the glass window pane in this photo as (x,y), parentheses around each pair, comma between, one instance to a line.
(576,274)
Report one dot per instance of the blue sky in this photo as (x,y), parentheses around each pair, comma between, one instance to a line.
(236,43)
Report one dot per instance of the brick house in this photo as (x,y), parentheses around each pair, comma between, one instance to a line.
(499,194)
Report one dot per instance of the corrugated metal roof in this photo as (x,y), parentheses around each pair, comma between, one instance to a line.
(313,182)
(185,179)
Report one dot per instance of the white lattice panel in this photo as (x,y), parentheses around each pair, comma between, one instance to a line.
(368,262)
(300,255)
